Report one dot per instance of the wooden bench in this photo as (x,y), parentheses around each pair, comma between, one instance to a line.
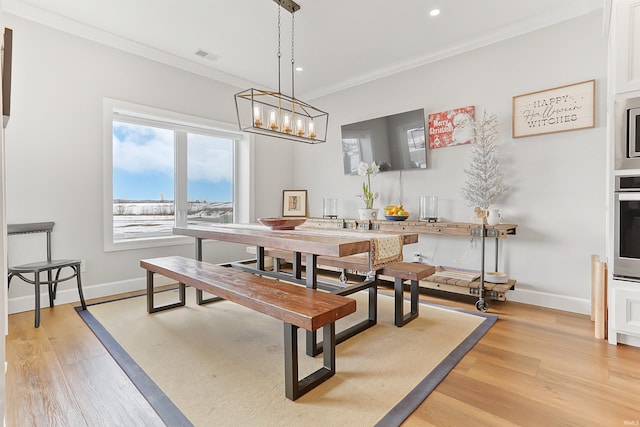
(296,306)
(399,271)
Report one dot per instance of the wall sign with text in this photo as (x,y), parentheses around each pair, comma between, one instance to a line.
(559,109)
(453,127)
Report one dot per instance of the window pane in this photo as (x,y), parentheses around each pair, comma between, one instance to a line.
(143,175)
(209,178)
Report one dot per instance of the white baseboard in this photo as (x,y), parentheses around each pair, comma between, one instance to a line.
(558,302)
(628,339)
(70,293)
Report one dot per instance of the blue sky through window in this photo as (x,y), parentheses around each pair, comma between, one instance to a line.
(143,165)
(209,168)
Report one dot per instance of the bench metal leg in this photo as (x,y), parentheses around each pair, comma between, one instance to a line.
(200,300)
(371,320)
(294,388)
(313,348)
(151,308)
(402,319)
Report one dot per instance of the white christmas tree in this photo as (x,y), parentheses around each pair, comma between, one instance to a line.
(484,181)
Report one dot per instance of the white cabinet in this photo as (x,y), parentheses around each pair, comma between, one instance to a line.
(624,322)
(626,45)
(623,82)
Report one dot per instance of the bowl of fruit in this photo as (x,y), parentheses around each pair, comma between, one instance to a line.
(395,213)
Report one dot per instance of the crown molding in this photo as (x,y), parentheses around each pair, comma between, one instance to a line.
(41,16)
(501,34)
(79,29)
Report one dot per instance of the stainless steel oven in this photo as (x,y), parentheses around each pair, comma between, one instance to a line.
(627,134)
(626,262)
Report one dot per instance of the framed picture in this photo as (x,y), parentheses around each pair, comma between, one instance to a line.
(559,109)
(453,127)
(294,203)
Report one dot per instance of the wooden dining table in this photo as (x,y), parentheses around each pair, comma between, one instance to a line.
(313,243)
(299,241)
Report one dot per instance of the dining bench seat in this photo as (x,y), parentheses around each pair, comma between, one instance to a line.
(296,306)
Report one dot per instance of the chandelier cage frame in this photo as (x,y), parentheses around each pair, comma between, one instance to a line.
(272,113)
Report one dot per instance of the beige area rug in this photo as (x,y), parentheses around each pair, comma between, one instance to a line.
(222,364)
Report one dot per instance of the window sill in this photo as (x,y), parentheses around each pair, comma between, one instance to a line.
(144,243)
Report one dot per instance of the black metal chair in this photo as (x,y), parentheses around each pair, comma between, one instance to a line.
(50,266)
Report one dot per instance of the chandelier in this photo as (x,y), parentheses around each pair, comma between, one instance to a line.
(270,113)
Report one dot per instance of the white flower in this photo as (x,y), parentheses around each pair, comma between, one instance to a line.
(375,168)
(363,169)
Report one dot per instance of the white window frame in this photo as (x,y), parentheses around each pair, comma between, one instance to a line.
(243,169)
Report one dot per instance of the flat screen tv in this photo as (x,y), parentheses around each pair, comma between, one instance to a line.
(395,142)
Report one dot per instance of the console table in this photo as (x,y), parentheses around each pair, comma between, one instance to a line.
(478,287)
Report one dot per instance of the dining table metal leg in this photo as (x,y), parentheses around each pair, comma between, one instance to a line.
(260,258)
(199,248)
(312,283)
(200,299)
(297,265)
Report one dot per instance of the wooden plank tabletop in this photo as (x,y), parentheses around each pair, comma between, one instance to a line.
(336,243)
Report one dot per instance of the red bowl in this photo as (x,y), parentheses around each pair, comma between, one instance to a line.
(282,223)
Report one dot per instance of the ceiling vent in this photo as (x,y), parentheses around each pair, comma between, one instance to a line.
(206,55)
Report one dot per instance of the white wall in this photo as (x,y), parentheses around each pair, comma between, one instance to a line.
(54,150)
(557,181)
(557,195)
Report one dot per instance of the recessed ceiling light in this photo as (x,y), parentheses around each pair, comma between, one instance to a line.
(299,68)
(435,12)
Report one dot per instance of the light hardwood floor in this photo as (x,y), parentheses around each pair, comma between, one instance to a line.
(535,367)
